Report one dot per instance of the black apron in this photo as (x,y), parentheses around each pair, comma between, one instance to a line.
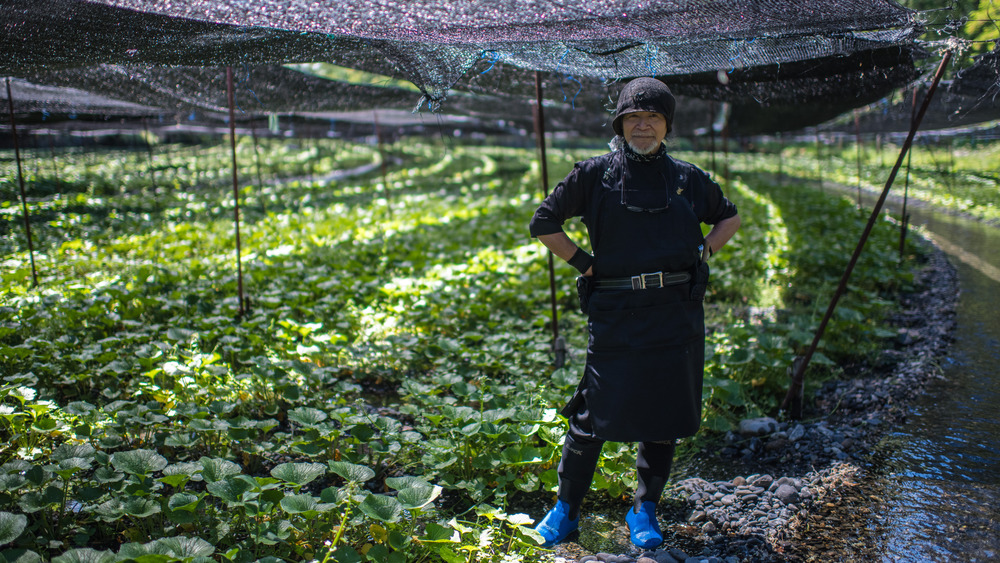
(646,354)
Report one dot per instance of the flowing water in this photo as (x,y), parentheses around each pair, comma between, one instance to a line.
(941,484)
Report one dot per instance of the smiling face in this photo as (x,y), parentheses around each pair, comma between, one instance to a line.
(644,130)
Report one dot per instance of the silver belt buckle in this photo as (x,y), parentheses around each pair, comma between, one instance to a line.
(639,282)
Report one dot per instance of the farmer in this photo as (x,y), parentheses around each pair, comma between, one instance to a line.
(642,289)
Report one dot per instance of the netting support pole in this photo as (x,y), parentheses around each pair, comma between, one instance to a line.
(711,136)
(793,400)
(149,164)
(819,161)
(236,189)
(20,180)
(55,165)
(857,142)
(558,344)
(725,151)
(384,164)
(256,156)
(905,219)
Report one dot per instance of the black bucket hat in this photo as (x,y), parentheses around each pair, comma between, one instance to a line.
(644,94)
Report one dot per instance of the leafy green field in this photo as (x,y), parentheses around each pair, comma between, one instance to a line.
(952,174)
(389,395)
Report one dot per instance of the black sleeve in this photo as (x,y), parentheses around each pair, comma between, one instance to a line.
(711,205)
(567,200)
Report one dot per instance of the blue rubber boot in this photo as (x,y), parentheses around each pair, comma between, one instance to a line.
(556,525)
(642,526)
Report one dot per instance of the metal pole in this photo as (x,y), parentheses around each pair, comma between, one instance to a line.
(711,137)
(236,189)
(20,179)
(725,151)
(819,161)
(149,161)
(793,398)
(904,224)
(781,158)
(256,154)
(951,162)
(857,142)
(384,166)
(558,345)
(55,165)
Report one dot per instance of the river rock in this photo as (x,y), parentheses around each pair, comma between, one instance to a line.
(678,554)
(758,426)
(787,494)
(658,556)
(762,481)
(611,558)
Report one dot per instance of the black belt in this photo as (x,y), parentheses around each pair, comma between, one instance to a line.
(644,281)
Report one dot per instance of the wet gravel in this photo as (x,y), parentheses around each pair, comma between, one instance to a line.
(793,482)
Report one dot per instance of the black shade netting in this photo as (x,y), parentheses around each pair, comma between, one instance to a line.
(443,44)
(259,89)
(971,98)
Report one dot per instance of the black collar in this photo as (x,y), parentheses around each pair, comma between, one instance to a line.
(636,157)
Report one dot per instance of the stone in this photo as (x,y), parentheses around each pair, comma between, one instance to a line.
(775,444)
(697,516)
(764,481)
(678,554)
(787,494)
(708,528)
(758,426)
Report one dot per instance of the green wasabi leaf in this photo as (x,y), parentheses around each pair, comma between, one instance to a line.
(298,474)
(11,526)
(352,472)
(381,508)
(138,462)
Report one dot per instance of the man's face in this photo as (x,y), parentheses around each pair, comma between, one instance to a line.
(644,130)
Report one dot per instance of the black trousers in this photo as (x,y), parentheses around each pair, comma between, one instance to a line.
(581,452)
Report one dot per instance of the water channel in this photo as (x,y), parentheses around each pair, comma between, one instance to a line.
(941,488)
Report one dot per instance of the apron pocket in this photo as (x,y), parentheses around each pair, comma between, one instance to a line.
(641,320)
